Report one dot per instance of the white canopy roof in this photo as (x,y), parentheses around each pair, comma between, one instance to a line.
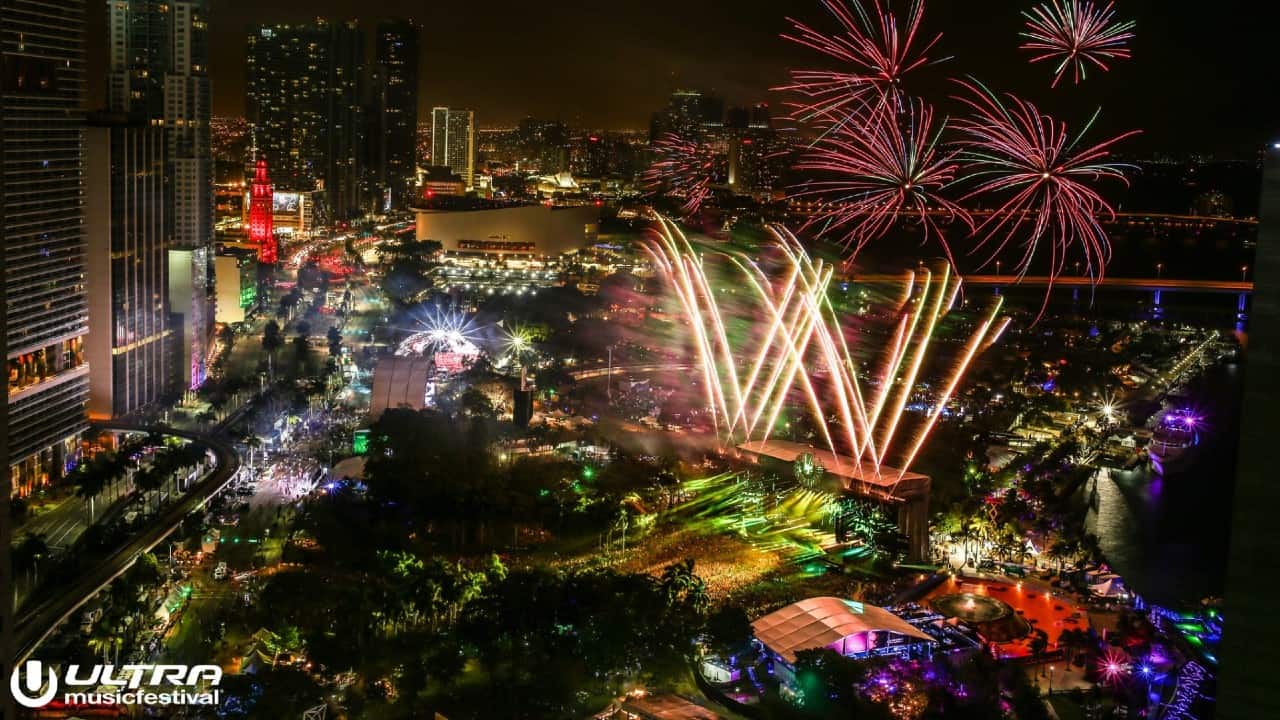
(822,621)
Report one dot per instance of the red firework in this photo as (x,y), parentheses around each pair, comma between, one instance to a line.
(879,46)
(682,168)
(882,166)
(1044,176)
(1077,34)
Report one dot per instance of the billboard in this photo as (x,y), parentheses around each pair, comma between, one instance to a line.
(286,202)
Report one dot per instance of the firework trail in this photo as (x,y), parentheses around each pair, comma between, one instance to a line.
(1045,178)
(797,347)
(683,168)
(880,168)
(1077,34)
(878,47)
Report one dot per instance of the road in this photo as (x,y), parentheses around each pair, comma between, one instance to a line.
(37,622)
(61,526)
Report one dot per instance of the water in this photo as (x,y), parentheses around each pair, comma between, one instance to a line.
(1168,537)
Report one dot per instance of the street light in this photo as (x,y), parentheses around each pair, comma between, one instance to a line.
(1244,271)
(1050,679)
(1159,270)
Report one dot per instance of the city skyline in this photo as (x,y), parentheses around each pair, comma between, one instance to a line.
(609,70)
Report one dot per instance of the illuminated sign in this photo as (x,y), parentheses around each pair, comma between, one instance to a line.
(286,202)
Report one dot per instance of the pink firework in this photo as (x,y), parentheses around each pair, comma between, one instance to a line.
(1114,666)
(881,167)
(878,47)
(1076,34)
(682,168)
(1043,177)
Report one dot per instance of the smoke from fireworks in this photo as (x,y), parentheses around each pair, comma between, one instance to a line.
(1045,177)
(1077,34)
(879,167)
(683,168)
(878,46)
(797,345)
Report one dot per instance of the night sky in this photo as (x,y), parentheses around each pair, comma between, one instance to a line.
(1197,80)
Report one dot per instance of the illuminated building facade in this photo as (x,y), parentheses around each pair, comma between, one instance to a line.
(689,114)
(394,145)
(453,142)
(237,286)
(303,101)
(42,201)
(261,215)
(128,273)
(158,75)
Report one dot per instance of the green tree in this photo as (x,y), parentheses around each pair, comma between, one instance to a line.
(91,477)
(728,630)
(272,340)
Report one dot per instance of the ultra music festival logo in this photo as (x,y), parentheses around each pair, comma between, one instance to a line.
(34,685)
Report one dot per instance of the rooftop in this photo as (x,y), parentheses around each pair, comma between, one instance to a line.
(823,621)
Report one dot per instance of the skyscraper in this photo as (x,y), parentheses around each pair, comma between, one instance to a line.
(43,218)
(304,103)
(689,114)
(261,215)
(453,142)
(127,280)
(1248,656)
(158,75)
(345,125)
(190,176)
(394,155)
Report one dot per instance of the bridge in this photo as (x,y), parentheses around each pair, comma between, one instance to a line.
(36,624)
(1076,281)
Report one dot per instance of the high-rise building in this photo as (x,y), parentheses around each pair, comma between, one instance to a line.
(303,101)
(689,114)
(758,162)
(394,152)
(140,43)
(42,206)
(453,142)
(158,75)
(190,175)
(127,262)
(1249,660)
(544,145)
(262,215)
(345,127)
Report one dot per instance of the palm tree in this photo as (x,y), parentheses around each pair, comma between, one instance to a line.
(148,479)
(272,340)
(90,478)
(104,639)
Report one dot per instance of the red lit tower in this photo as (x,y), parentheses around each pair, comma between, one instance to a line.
(261,226)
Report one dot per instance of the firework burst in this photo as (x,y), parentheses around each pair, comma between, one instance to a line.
(880,168)
(1077,34)
(1044,178)
(878,48)
(683,168)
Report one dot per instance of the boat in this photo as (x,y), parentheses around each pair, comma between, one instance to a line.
(1174,439)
